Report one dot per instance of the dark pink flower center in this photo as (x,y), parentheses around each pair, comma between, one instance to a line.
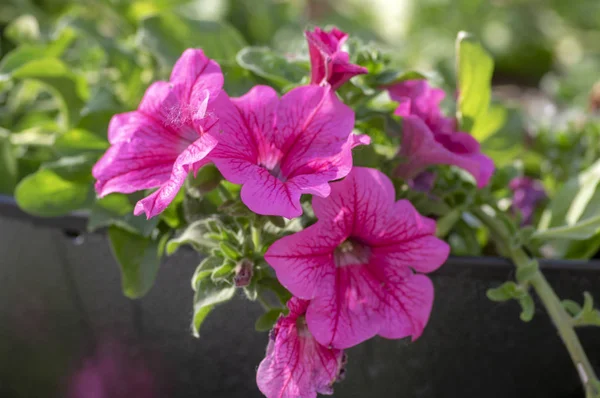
(351,252)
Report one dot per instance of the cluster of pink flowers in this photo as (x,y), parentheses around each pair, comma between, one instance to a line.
(359,270)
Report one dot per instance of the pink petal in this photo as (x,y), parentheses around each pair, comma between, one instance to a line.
(365,196)
(409,303)
(265,194)
(296,365)
(313,123)
(346,312)
(303,261)
(192,158)
(421,150)
(197,74)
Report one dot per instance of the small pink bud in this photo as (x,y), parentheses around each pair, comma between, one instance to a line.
(243,273)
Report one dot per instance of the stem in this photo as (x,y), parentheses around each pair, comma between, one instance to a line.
(561,319)
(255,235)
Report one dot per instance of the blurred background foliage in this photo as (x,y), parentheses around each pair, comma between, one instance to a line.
(67,66)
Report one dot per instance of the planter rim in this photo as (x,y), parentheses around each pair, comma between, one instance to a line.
(76,222)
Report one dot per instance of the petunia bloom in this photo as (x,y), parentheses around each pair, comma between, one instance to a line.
(527,195)
(328,62)
(430,138)
(296,365)
(282,148)
(356,263)
(169,135)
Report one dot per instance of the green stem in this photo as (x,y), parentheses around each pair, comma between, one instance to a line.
(560,318)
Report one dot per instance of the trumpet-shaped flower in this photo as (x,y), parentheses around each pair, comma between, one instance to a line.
(356,263)
(168,136)
(527,195)
(279,149)
(296,365)
(328,62)
(429,138)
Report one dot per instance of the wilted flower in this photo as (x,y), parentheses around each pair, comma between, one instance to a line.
(296,365)
(356,263)
(527,195)
(168,136)
(429,138)
(282,148)
(328,63)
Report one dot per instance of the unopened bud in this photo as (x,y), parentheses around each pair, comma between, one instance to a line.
(243,273)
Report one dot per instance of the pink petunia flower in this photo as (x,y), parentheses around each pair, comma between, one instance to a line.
(328,63)
(282,148)
(429,138)
(528,194)
(168,136)
(356,263)
(296,365)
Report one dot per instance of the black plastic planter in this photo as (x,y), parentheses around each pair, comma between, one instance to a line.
(64,322)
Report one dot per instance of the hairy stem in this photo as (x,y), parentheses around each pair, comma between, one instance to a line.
(561,319)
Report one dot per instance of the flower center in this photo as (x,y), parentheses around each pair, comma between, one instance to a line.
(302,327)
(351,252)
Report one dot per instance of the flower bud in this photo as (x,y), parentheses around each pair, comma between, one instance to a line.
(243,273)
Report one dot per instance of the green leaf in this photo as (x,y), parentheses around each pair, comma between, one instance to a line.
(272,66)
(445,223)
(208,294)
(195,236)
(75,141)
(223,271)
(525,273)
(72,89)
(527,307)
(138,259)
(572,307)
(388,77)
(168,35)
(205,269)
(474,68)
(266,321)
(506,291)
(116,209)
(578,231)
(73,168)
(8,165)
(46,194)
(230,251)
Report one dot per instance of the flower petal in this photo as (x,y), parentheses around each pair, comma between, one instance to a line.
(421,150)
(296,365)
(192,158)
(364,197)
(312,124)
(303,261)
(345,312)
(267,195)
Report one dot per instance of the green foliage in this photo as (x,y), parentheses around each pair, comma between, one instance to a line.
(139,259)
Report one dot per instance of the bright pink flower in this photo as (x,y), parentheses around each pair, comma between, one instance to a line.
(296,365)
(328,63)
(282,148)
(356,263)
(428,137)
(168,136)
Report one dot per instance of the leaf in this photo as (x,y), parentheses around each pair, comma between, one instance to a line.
(389,77)
(208,294)
(77,140)
(527,307)
(168,35)
(193,235)
(73,168)
(56,75)
(525,273)
(230,251)
(8,165)
(445,223)
(205,269)
(474,68)
(272,66)
(116,209)
(579,231)
(46,194)
(138,259)
(506,291)
(223,271)
(266,321)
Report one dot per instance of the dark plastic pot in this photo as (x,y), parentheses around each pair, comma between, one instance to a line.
(65,328)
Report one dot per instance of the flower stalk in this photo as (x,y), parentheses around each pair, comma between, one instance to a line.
(559,316)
